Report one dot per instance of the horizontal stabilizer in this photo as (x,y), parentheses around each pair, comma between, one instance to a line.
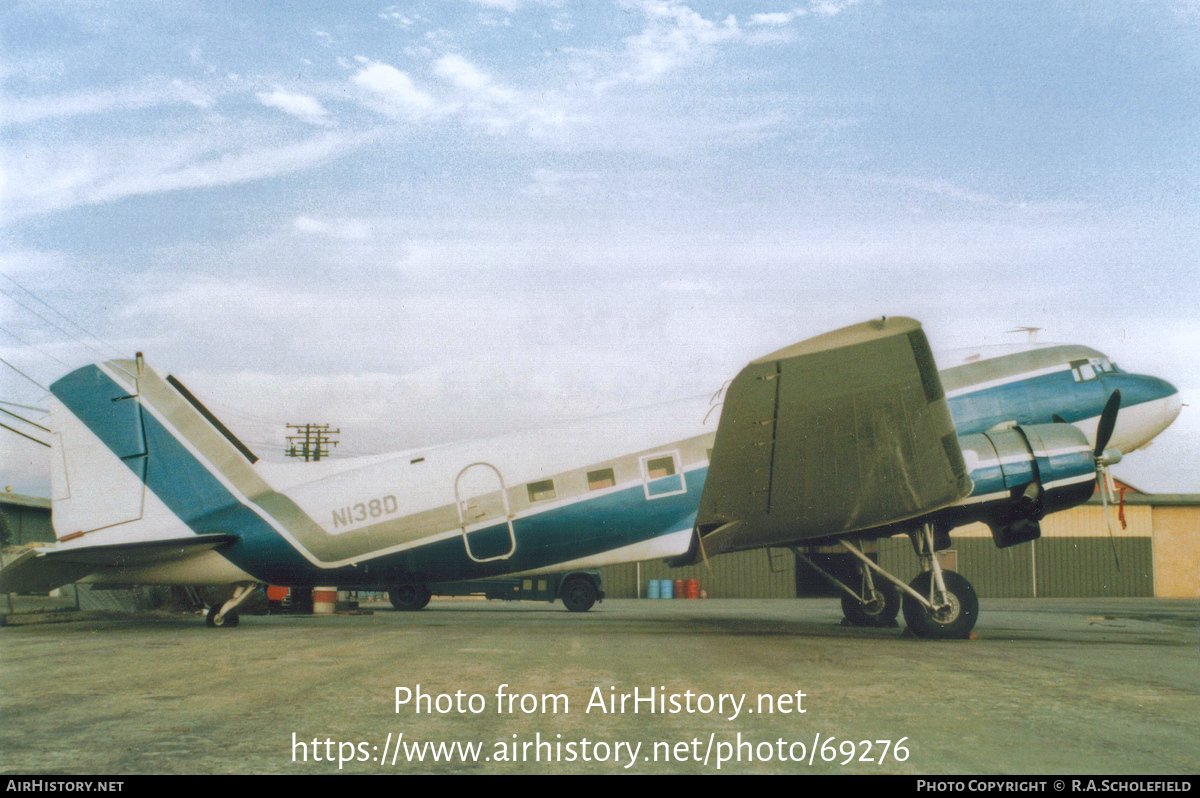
(41,569)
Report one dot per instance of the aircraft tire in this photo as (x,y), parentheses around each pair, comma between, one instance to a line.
(410,598)
(881,612)
(578,594)
(230,620)
(954,624)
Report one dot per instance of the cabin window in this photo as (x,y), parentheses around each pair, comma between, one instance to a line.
(662,475)
(660,467)
(601,479)
(541,491)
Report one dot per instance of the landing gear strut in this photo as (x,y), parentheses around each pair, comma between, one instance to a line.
(225,615)
(951,609)
(877,602)
(938,604)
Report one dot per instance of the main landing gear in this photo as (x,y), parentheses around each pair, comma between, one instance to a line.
(225,616)
(409,598)
(937,604)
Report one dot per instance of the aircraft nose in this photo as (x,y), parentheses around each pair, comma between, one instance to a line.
(1148,406)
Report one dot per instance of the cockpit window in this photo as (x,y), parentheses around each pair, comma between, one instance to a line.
(1084,370)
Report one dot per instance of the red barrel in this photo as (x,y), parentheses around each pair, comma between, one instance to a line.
(324,600)
(693,588)
(680,590)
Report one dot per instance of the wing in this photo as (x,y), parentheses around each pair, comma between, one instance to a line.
(840,433)
(35,571)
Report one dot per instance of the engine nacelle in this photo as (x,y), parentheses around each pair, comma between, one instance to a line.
(1020,475)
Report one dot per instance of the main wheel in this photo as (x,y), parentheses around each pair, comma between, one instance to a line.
(953,622)
(230,620)
(410,598)
(880,610)
(578,594)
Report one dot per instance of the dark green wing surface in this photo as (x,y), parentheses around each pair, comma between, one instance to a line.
(840,433)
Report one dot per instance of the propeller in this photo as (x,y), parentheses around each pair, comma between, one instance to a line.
(1104,459)
(1108,422)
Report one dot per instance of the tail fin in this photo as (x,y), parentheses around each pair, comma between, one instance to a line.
(119,427)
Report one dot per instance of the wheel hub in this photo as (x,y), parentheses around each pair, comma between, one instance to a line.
(948,612)
(874,604)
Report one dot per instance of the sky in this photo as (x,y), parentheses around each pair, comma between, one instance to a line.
(429,222)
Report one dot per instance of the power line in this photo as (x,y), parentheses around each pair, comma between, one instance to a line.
(35,346)
(22,418)
(70,335)
(23,435)
(24,407)
(23,374)
(63,315)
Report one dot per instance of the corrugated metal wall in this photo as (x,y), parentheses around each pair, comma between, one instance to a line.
(1066,567)
(745,574)
(1071,559)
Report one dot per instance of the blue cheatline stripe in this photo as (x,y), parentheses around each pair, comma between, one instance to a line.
(1035,400)
(190,491)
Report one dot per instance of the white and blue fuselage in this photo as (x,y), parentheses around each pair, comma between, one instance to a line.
(618,488)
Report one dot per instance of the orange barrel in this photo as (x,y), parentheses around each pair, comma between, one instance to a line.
(324,599)
(276,593)
(693,588)
(680,589)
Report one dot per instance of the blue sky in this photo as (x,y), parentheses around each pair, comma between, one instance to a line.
(432,221)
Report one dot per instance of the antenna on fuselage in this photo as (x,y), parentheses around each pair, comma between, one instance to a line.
(1030,331)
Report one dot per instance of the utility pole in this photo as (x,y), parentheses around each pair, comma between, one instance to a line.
(313,443)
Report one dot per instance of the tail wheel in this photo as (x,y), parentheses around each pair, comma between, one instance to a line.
(578,594)
(954,621)
(410,598)
(230,620)
(880,609)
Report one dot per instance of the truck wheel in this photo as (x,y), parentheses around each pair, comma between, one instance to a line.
(578,594)
(409,598)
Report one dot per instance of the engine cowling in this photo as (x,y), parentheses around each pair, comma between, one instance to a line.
(1020,475)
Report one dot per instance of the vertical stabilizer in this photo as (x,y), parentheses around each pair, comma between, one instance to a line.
(137,454)
(98,449)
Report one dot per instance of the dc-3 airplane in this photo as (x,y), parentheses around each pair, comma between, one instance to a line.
(847,437)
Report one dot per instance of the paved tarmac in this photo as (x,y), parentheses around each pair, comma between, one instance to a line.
(1104,686)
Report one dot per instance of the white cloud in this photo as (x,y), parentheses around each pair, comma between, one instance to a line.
(345,229)
(674,36)
(465,75)
(36,109)
(829,8)
(300,106)
(777,18)
(503,5)
(43,181)
(396,89)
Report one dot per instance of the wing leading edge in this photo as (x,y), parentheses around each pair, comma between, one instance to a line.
(836,434)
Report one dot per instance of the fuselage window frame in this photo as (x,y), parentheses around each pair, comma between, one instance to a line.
(538,492)
(602,479)
(653,486)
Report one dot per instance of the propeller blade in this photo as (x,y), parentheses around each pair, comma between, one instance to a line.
(1108,422)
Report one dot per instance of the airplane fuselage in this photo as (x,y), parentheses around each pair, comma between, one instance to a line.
(618,488)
